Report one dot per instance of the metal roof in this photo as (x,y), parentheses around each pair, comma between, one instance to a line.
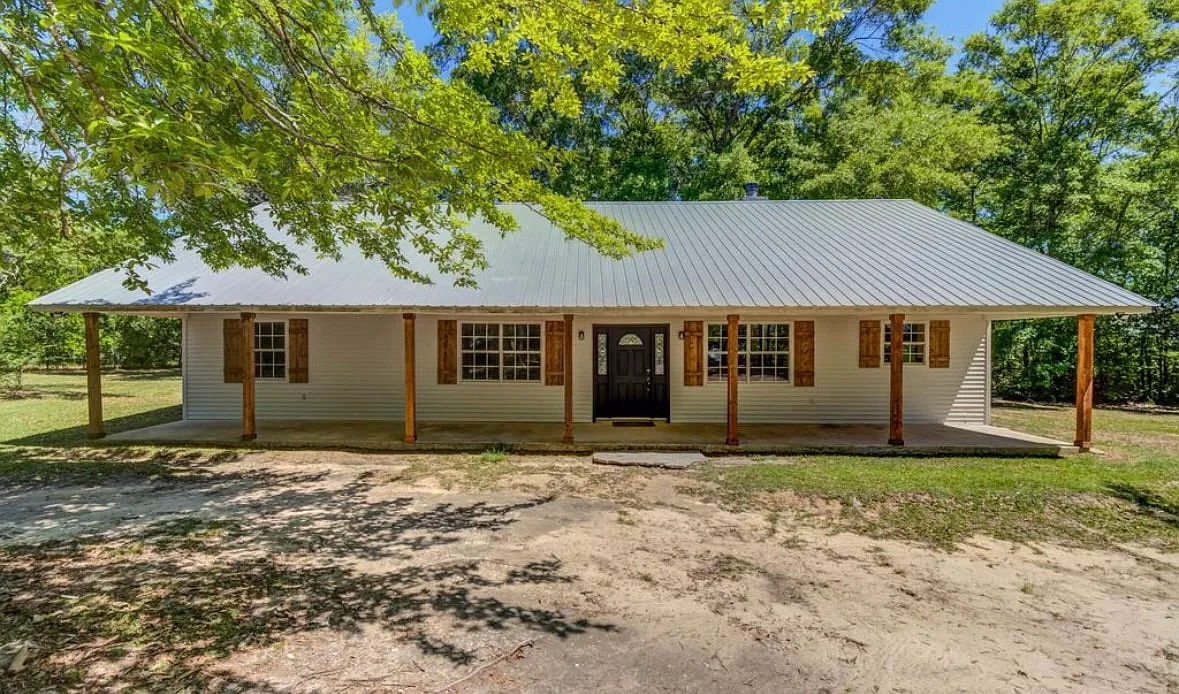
(760,254)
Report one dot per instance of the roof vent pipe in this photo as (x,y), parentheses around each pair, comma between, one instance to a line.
(751,191)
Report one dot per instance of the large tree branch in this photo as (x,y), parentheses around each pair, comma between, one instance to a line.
(267,109)
(75,64)
(328,66)
(278,32)
(70,159)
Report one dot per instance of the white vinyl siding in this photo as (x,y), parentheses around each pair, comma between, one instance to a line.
(987,376)
(356,373)
(354,361)
(184,398)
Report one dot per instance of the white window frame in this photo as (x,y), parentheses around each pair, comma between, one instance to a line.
(744,376)
(886,349)
(500,352)
(286,351)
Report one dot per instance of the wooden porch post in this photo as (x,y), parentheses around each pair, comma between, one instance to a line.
(567,437)
(731,407)
(1085,325)
(93,378)
(411,425)
(249,429)
(896,381)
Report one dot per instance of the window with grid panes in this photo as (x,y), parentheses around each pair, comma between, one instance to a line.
(763,352)
(913,342)
(500,352)
(270,349)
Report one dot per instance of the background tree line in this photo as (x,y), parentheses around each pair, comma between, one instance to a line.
(30,340)
(1057,128)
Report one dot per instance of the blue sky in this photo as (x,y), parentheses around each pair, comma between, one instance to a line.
(954,19)
(957,19)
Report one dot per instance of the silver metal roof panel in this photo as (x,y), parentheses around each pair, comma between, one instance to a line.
(831,254)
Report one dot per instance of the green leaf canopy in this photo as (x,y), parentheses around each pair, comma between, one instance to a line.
(130,124)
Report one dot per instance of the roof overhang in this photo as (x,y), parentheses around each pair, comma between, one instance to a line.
(991,312)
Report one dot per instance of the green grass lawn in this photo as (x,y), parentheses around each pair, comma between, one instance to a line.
(51,409)
(1128,492)
(43,426)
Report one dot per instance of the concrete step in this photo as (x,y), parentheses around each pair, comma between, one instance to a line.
(669,460)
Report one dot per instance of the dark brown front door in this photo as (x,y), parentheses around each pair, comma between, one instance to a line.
(630,371)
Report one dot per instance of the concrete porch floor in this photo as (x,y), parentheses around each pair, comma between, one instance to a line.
(848,439)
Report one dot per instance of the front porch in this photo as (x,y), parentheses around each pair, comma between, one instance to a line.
(782,439)
(315,409)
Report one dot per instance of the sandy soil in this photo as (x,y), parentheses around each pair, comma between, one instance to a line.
(363,573)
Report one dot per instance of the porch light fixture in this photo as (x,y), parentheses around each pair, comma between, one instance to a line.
(681,334)
(580,334)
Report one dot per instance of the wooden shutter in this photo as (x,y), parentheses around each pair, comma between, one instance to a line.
(232,357)
(693,353)
(554,353)
(939,344)
(804,353)
(297,370)
(447,352)
(870,344)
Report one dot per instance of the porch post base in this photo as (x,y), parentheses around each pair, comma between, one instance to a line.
(896,442)
(409,439)
(249,437)
(1083,446)
(732,442)
(95,435)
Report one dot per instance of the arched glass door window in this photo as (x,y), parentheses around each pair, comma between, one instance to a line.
(630,340)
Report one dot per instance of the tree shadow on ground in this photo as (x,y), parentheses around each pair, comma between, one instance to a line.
(35,393)
(76,436)
(258,557)
(1047,406)
(76,390)
(1148,503)
(161,374)
(144,374)
(68,464)
(1030,405)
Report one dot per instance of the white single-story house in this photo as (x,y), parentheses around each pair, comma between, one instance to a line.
(856,312)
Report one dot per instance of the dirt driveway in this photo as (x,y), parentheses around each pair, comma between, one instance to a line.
(300,572)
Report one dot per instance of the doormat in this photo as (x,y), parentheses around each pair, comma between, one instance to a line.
(639,423)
